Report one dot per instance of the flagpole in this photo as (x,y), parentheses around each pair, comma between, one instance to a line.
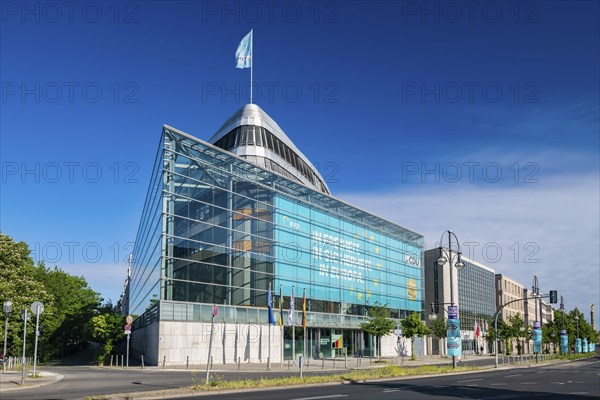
(293,328)
(251,61)
(304,352)
(270,310)
(281,324)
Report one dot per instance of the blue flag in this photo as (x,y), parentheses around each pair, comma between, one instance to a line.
(270,305)
(291,312)
(243,55)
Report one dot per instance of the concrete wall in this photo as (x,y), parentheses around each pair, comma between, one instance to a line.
(144,341)
(180,340)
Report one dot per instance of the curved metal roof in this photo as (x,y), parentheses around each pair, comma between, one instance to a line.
(253,115)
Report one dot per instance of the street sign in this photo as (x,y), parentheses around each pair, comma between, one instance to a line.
(215,310)
(25,314)
(34,307)
(129,319)
(127,327)
(452,312)
(128,332)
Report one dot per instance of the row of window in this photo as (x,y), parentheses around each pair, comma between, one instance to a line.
(251,135)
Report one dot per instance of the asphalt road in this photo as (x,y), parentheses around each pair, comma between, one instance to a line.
(82,381)
(577,380)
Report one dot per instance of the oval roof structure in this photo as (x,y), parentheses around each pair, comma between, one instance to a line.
(252,134)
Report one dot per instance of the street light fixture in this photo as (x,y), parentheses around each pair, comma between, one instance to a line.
(447,256)
(7,308)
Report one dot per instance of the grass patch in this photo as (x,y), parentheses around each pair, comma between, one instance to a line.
(572,356)
(217,383)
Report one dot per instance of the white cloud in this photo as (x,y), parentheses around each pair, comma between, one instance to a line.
(555,221)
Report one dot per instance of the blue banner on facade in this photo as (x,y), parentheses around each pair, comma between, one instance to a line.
(453,338)
(564,343)
(536,335)
(577,345)
(340,261)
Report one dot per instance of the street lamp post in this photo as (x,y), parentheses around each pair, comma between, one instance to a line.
(577,324)
(458,264)
(537,324)
(7,308)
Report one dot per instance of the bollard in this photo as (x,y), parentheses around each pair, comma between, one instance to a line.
(288,365)
(345,360)
(239,362)
(142,361)
(111,359)
(307,362)
(333,362)
(164,361)
(370,359)
(322,363)
(268,363)
(187,362)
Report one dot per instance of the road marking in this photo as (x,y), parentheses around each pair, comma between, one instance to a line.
(390,390)
(497,384)
(321,397)
(470,380)
(578,393)
(510,376)
(528,383)
(558,383)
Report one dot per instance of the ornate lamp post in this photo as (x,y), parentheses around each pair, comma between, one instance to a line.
(7,308)
(453,259)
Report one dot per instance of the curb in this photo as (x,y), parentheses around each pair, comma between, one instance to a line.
(55,378)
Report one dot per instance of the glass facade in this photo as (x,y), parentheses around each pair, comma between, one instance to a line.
(217,229)
(476,294)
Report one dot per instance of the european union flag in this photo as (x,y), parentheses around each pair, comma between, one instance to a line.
(243,55)
(270,305)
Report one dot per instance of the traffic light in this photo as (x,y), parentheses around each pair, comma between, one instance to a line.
(553,297)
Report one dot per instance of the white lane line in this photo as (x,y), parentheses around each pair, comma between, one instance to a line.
(470,380)
(497,384)
(510,376)
(578,393)
(528,383)
(558,383)
(390,390)
(321,397)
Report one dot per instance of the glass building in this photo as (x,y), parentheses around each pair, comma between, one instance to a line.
(226,219)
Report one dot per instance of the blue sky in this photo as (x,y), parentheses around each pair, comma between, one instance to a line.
(481,117)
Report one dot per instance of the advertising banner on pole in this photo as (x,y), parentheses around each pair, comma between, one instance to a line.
(536,335)
(454,345)
(585,345)
(577,345)
(564,342)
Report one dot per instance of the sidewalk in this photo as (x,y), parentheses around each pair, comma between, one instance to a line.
(11,380)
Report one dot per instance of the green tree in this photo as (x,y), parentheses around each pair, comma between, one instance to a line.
(516,329)
(18,284)
(107,329)
(378,324)
(413,326)
(76,303)
(439,329)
